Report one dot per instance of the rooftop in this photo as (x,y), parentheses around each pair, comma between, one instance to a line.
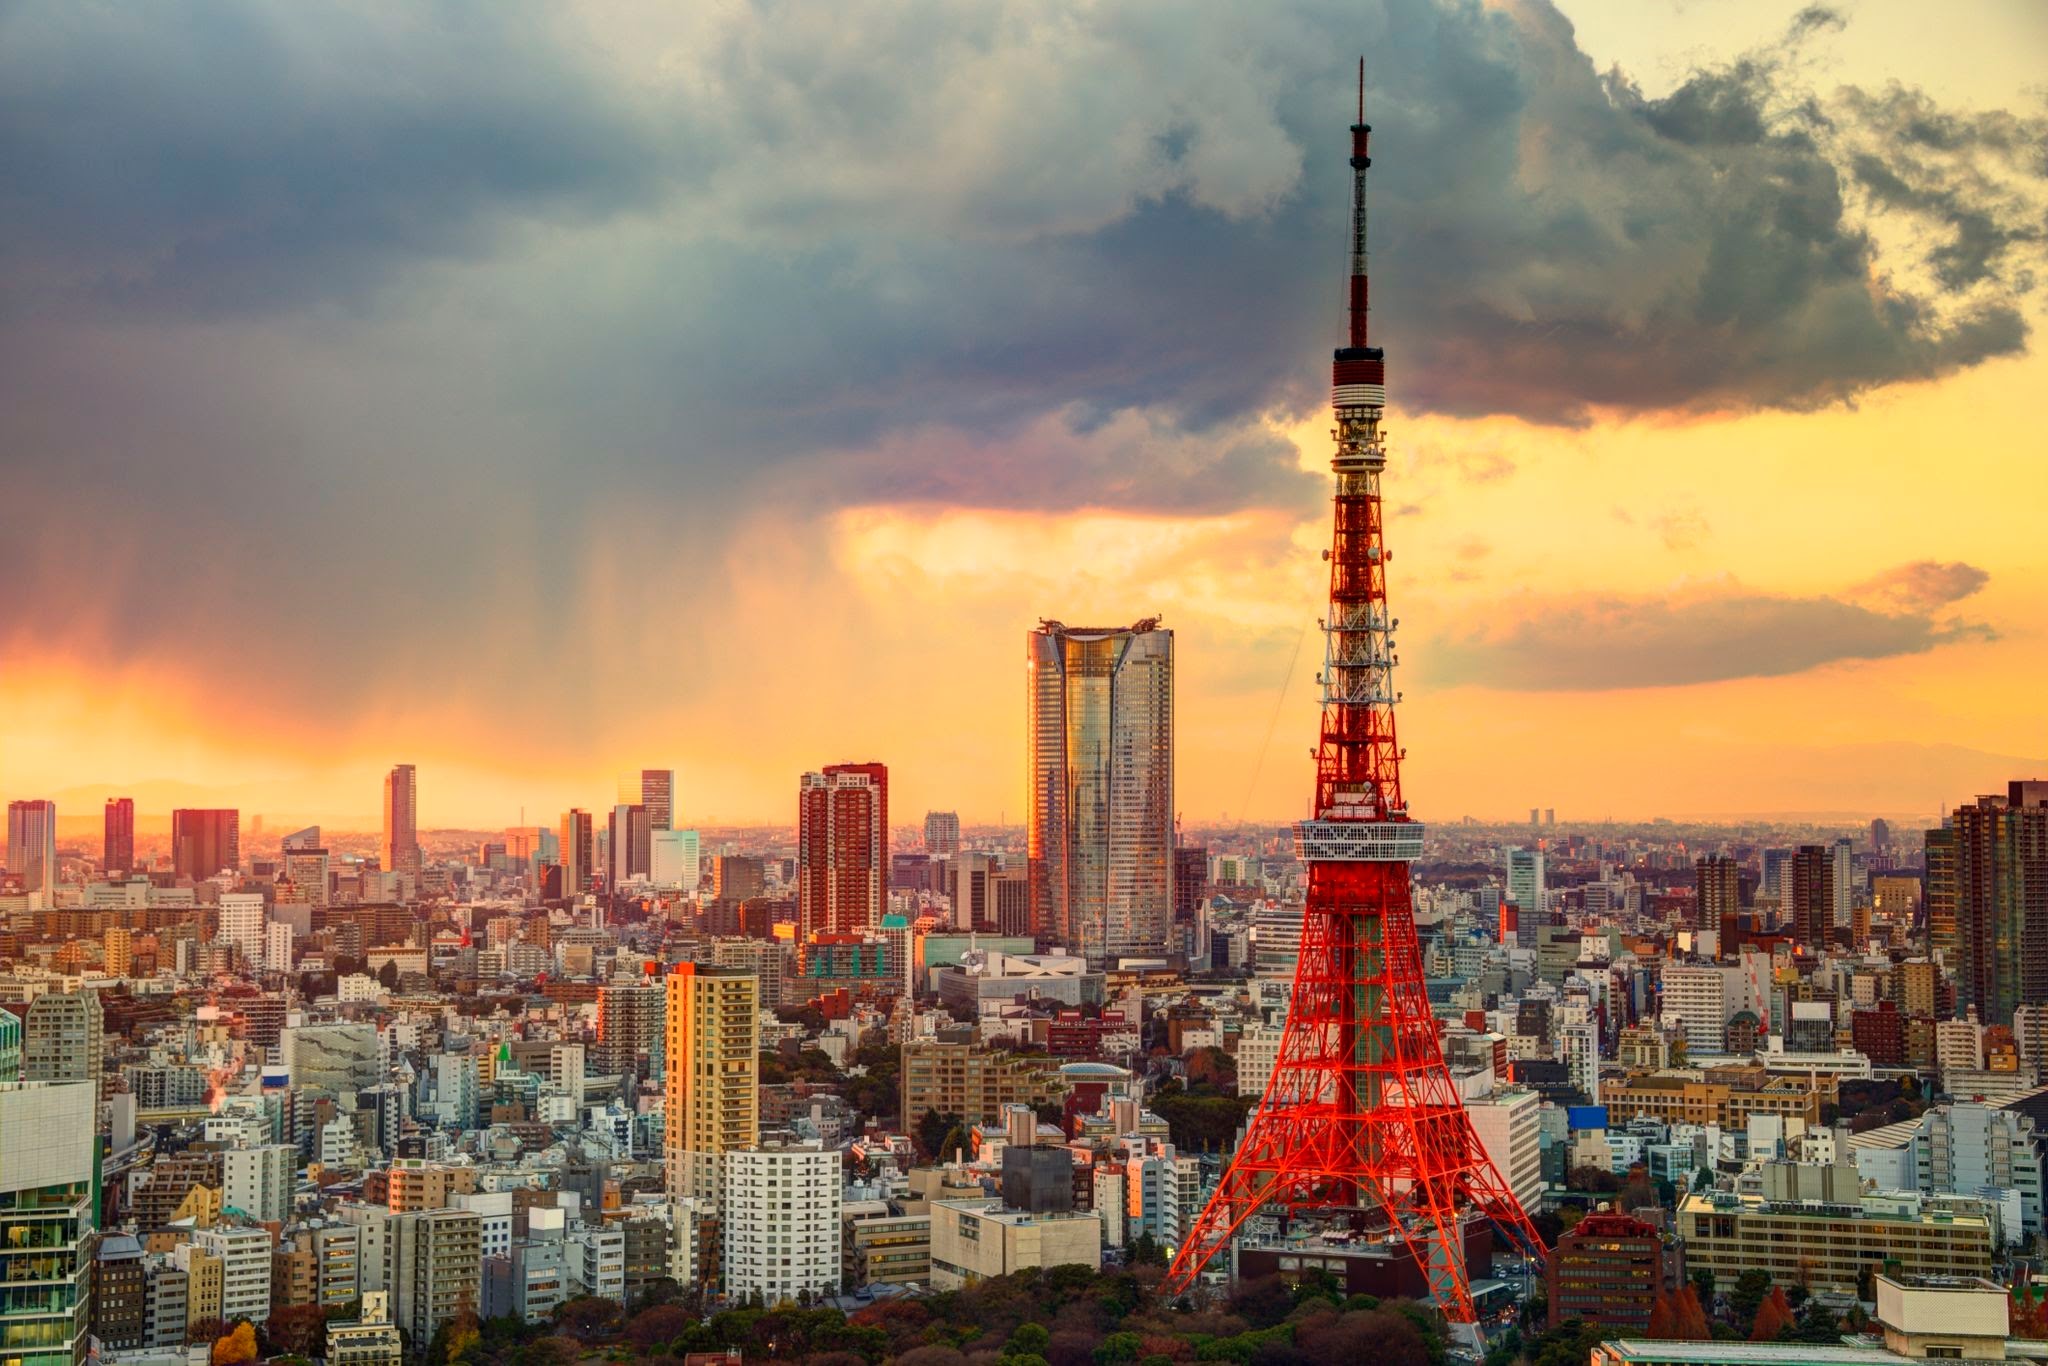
(1741,1353)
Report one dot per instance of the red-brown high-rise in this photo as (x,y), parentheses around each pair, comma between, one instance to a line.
(842,857)
(1361,1124)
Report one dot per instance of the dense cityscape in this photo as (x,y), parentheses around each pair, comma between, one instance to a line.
(1124,1082)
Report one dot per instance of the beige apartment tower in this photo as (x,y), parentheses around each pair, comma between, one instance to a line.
(713,1042)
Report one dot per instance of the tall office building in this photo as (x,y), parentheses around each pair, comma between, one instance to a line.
(307,869)
(576,852)
(658,795)
(842,850)
(205,841)
(64,1038)
(308,838)
(1941,894)
(712,1102)
(48,1182)
(1526,888)
(118,854)
(32,844)
(401,820)
(941,833)
(738,877)
(1997,875)
(1100,758)
(1811,903)
(628,846)
(674,860)
(1842,881)
(1776,864)
(1717,884)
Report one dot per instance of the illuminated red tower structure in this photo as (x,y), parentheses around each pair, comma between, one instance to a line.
(1361,1125)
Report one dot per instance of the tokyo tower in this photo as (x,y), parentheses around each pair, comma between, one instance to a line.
(1361,1127)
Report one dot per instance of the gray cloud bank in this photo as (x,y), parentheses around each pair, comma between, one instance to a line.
(387,307)
(1597,643)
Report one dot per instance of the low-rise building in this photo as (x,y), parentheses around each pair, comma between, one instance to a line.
(973,1240)
(1827,1247)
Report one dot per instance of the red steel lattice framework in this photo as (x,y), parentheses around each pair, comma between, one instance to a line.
(1361,1117)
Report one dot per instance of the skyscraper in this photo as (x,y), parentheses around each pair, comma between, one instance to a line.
(1842,881)
(401,820)
(1811,904)
(576,852)
(941,833)
(2000,882)
(842,850)
(628,852)
(48,1186)
(1717,883)
(712,1105)
(32,844)
(1527,890)
(1941,895)
(242,924)
(119,852)
(204,841)
(658,795)
(1099,714)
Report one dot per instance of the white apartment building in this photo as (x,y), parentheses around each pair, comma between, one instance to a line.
(258,1181)
(241,924)
(781,1220)
(245,1269)
(1696,998)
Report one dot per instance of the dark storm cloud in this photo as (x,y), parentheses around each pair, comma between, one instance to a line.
(1597,643)
(198,157)
(388,312)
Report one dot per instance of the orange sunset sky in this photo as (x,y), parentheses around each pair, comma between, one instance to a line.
(694,394)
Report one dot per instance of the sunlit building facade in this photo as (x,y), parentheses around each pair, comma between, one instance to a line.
(1100,719)
(842,850)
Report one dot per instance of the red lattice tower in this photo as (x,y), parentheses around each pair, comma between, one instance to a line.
(1361,1124)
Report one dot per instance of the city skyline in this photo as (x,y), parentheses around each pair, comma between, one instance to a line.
(1711,568)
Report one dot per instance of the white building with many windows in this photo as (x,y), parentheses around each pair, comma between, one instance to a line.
(781,1220)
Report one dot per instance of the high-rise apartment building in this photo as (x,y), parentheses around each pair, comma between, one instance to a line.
(64,1037)
(712,1104)
(32,844)
(1842,880)
(1526,888)
(576,852)
(1099,715)
(434,1268)
(401,847)
(1994,870)
(241,924)
(118,853)
(842,850)
(941,833)
(1941,894)
(1717,885)
(1810,907)
(629,1029)
(658,795)
(48,1181)
(204,841)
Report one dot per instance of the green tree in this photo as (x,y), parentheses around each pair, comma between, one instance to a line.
(1750,1288)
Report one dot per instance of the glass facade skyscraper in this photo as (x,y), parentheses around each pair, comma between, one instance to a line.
(49,1198)
(1100,712)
